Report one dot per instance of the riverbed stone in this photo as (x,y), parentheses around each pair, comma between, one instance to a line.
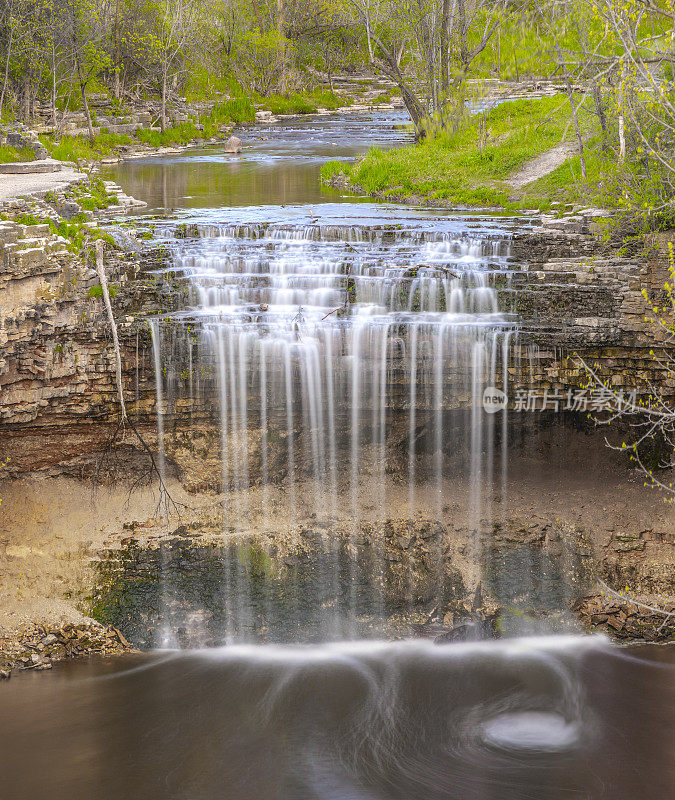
(233,145)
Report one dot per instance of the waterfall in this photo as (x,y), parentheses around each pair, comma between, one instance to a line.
(159,394)
(347,364)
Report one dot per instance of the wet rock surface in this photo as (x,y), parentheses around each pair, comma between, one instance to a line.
(401,577)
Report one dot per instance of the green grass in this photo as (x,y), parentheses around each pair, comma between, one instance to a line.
(179,134)
(331,169)
(97,291)
(454,168)
(305,103)
(78,235)
(8,154)
(79,148)
(25,218)
(98,196)
(288,104)
(239,110)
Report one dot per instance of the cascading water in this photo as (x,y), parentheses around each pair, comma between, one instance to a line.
(312,328)
(345,360)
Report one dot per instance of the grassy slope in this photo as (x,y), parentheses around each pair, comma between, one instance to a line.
(457,169)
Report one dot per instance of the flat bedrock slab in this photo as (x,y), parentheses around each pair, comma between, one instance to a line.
(32,167)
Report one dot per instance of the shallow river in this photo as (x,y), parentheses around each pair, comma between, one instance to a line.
(535,718)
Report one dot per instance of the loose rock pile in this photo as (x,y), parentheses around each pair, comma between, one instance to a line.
(626,620)
(37,647)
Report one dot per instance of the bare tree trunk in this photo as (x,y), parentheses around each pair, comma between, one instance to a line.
(281,17)
(622,139)
(54,109)
(26,97)
(366,16)
(389,67)
(575,116)
(64,114)
(329,70)
(98,250)
(164,89)
(446,21)
(600,110)
(165,498)
(281,28)
(116,84)
(499,54)
(577,130)
(4,83)
(85,102)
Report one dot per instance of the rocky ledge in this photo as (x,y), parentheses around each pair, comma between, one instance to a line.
(38,647)
(625,619)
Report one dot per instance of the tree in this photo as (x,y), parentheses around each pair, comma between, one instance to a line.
(428,48)
(86,30)
(173,27)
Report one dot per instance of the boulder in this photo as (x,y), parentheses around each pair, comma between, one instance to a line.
(233,145)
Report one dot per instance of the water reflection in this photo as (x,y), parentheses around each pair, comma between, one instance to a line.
(280,164)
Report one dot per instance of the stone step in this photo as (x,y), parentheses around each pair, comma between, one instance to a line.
(35,231)
(30,257)
(30,167)
(9,232)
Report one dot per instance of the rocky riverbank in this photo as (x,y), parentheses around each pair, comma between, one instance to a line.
(127,135)
(39,647)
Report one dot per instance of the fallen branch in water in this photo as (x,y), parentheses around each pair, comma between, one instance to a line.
(444,270)
(348,288)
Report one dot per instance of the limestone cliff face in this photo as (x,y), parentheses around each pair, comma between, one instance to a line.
(56,361)
(56,358)
(51,329)
(578,298)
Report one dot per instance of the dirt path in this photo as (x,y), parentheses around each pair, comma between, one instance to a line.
(541,165)
(16,185)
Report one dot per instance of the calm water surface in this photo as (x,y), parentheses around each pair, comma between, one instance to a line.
(280,163)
